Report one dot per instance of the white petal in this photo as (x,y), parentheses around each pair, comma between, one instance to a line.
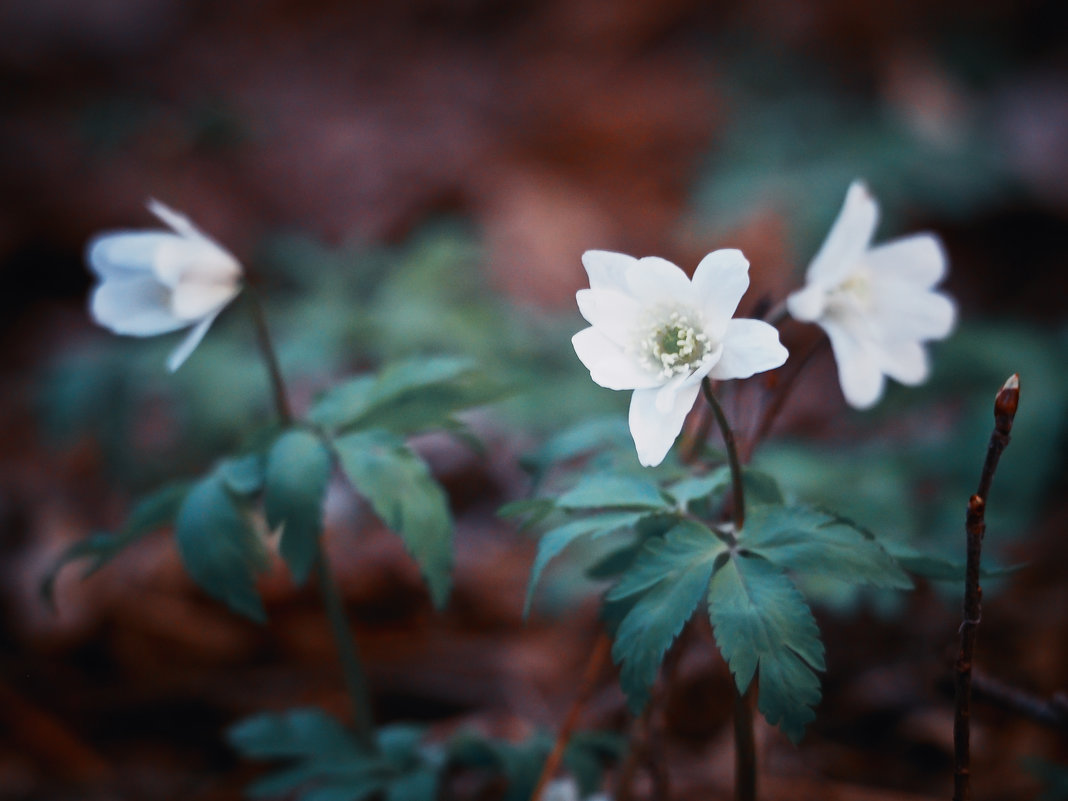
(807,304)
(188,345)
(181,260)
(656,280)
(905,362)
(918,260)
(904,312)
(126,253)
(859,372)
(178,222)
(749,347)
(654,432)
(847,240)
(613,313)
(137,307)
(192,300)
(609,366)
(719,283)
(607,270)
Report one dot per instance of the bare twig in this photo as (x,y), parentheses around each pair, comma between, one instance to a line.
(745,759)
(1004,411)
(1051,712)
(594,668)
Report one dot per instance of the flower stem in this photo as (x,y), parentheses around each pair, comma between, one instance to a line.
(1004,411)
(744,744)
(355,679)
(738,512)
(270,357)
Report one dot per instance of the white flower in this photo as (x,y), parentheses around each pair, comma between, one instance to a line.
(657,332)
(154,282)
(877,304)
(567,790)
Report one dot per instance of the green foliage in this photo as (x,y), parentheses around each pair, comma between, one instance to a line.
(607,491)
(1053,776)
(298,470)
(401,490)
(671,574)
(761,620)
(151,513)
(406,397)
(219,547)
(815,543)
(323,761)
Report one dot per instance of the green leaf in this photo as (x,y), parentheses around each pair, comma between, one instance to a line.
(588,436)
(607,491)
(294,733)
(761,488)
(693,488)
(668,578)
(219,548)
(406,397)
(243,475)
(298,470)
(419,785)
(556,540)
(401,490)
(761,620)
(152,512)
(936,568)
(812,542)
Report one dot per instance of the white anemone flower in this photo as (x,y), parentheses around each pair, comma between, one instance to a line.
(655,331)
(154,282)
(877,304)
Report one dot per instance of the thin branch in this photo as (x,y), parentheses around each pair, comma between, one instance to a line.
(270,357)
(738,512)
(745,759)
(1051,712)
(1005,404)
(594,668)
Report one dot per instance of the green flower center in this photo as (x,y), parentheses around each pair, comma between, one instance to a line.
(674,347)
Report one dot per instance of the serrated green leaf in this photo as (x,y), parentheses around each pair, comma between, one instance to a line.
(534,510)
(219,548)
(151,512)
(556,540)
(671,575)
(935,568)
(298,471)
(761,620)
(406,397)
(816,543)
(401,490)
(761,487)
(608,491)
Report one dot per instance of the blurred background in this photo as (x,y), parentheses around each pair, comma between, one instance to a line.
(422,177)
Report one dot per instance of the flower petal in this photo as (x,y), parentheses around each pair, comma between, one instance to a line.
(859,372)
(847,239)
(191,300)
(180,260)
(654,432)
(126,253)
(905,312)
(612,312)
(189,344)
(607,270)
(609,366)
(137,307)
(178,222)
(656,280)
(808,303)
(918,260)
(749,346)
(719,282)
(905,362)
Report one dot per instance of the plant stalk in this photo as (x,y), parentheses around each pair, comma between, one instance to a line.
(745,758)
(738,512)
(355,678)
(1005,404)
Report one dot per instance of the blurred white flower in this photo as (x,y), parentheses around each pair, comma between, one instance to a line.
(877,304)
(567,790)
(154,282)
(657,332)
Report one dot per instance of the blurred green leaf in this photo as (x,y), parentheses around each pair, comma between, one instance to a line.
(761,620)
(219,548)
(1053,776)
(152,512)
(244,475)
(668,578)
(606,491)
(401,490)
(298,471)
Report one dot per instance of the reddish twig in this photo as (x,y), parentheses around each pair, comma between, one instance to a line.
(1004,411)
(594,668)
